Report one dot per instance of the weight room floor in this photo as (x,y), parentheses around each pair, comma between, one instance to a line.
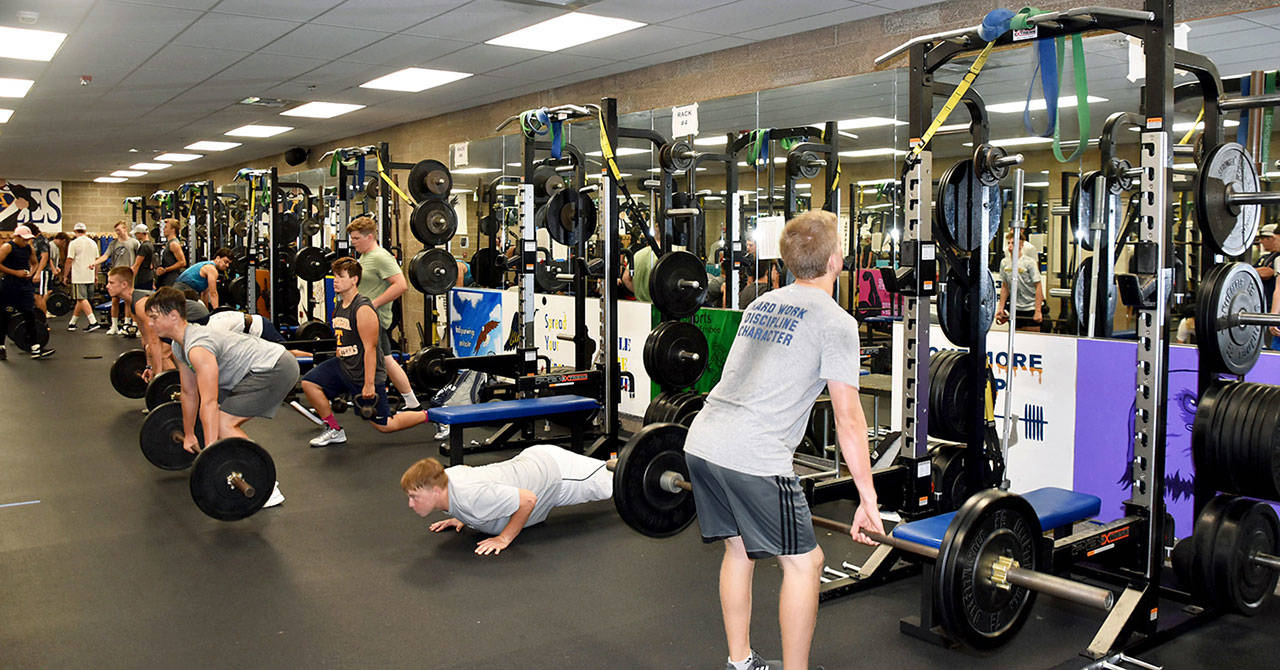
(116,567)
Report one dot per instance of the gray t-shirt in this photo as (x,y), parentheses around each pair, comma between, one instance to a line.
(791,340)
(237,354)
(485,497)
(196,310)
(121,252)
(1028,277)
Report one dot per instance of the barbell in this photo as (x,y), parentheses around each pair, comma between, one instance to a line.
(985,569)
(231,479)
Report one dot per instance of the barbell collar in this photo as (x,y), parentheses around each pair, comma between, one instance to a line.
(673,482)
(237,482)
(690,284)
(1250,319)
(1266,560)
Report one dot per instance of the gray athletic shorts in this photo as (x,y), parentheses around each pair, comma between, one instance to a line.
(770,514)
(81,291)
(384,342)
(260,393)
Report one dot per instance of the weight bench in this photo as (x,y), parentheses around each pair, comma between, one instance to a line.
(1057,508)
(510,412)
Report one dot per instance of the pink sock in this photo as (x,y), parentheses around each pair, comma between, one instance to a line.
(331,422)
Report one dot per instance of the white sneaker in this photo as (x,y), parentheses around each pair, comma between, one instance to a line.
(113,331)
(329,436)
(276,497)
(443,433)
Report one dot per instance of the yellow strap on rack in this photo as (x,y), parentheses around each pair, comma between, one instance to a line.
(1194,127)
(387,178)
(606,150)
(951,103)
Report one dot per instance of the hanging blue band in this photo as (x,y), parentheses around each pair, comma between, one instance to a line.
(360,173)
(1046,65)
(556,140)
(1242,131)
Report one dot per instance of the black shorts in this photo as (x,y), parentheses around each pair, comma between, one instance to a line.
(334,382)
(769,513)
(17,292)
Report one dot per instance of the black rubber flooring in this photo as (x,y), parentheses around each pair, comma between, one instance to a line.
(115,567)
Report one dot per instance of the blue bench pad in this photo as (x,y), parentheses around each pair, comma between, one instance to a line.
(1055,507)
(505,410)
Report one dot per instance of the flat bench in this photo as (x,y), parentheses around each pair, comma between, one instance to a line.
(459,417)
(1055,507)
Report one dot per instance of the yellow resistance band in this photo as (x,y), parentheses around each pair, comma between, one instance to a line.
(385,177)
(951,103)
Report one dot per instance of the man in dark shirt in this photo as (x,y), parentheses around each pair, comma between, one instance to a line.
(757,276)
(16,289)
(144,260)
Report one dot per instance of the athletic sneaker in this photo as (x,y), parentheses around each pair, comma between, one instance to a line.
(443,433)
(92,327)
(72,326)
(276,497)
(328,437)
(113,330)
(415,408)
(757,663)
(4,355)
(43,353)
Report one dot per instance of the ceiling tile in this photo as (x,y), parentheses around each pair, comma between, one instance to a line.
(549,66)
(266,69)
(744,15)
(388,15)
(640,42)
(109,20)
(228,31)
(479,58)
(180,4)
(175,64)
(650,11)
(319,41)
(483,20)
(707,46)
(404,50)
(297,10)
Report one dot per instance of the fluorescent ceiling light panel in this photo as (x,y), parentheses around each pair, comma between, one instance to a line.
(1036,184)
(1036,105)
(622,151)
(866,122)
(127,173)
(476,170)
(414,79)
(110,180)
(713,141)
(564,31)
(149,166)
(209,145)
(876,182)
(14,88)
(24,44)
(178,158)
(871,153)
(322,110)
(5,115)
(252,130)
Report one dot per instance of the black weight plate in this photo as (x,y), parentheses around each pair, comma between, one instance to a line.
(28,332)
(126,373)
(544,276)
(161,437)
(973,610)
(954,309)
(314,330)
(429,179)
(211,486)
(433,222)
(654,406)
(1203,539)
(240,264)
(1080,295)
(949,481)
(805,165)
(690,408)
(238,291)
(967,210)
(1267,445)
(59,303)
(665,289)
(1233,447)
(1248,527)
(672,407)
(163,388)
(1230,229)
(1236,288)
(672,156)
(424,371)
(570,217)
(311,226)
(288,225)
(433,271)
(488,267)
(312,263)
(489,223)
(1082,205)
(1201,429)
(547,181)
(640,500)
(677,356)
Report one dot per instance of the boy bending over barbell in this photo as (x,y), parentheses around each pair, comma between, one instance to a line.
(501,498)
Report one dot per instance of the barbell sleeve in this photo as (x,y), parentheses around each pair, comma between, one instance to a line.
(1250,319)
(689,284)
(1009,161)
(684,211)
(1266,560)
(1258,198)
(234,480)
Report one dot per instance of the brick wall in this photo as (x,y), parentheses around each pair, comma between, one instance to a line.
(98,206)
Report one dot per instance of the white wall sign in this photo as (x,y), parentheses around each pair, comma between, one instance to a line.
(684,120)
(459,151)
(768,237)
(45,210)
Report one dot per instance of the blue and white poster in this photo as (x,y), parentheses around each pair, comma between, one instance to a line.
(475,322)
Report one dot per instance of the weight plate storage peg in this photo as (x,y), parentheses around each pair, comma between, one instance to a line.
(433,222)
(429,179)
(675,354)
(678,284)
(433,271)
(232,479)
(161,437)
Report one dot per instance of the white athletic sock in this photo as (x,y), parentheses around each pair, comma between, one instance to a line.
(410,400)
(92,319)
(743,664)
(115,322)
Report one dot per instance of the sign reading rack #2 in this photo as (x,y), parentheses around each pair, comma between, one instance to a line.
(1230,227)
